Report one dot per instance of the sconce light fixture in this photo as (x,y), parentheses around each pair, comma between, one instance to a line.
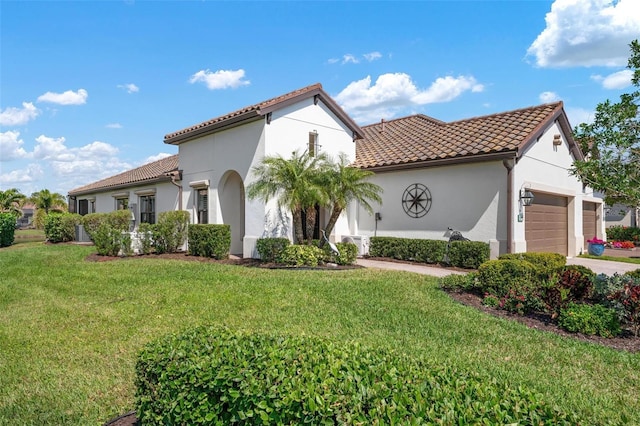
(526,197)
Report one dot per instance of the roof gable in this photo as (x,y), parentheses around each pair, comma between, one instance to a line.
(417,139)
(260,110)
(148,173)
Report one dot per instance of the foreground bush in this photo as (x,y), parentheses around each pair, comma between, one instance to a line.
(7,229)
(61,227)
(463,254)
(210,240)
(574,283)
(170,232)
(109,232)
(269,249)
(546,263)
(301,255)
(215,376)
(589,319)
(348,254)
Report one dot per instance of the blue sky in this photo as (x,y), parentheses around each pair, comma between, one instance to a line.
(89,89)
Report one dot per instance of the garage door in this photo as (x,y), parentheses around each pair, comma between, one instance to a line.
(546,224)
(589,221)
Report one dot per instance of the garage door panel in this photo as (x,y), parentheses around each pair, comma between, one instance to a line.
(589,220)
(546,224)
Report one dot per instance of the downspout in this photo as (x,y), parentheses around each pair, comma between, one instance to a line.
(175,177)
(508,163)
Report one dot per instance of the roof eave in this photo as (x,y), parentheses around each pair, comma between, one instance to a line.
(213,127)
(159,179)
(474,158)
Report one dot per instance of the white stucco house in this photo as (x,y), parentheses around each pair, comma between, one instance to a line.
(468,175)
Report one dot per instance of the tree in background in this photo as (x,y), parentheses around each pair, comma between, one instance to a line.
(612,144)
(47,200)
(11,201)
(346,184)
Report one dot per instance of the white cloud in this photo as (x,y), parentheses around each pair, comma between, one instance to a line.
(372,56)
(617,80)
(130,88)
(349,59)
(547,97)
(32,173)
(156,157)
(587,33)
(221,79)
(114,126)
(579,115)
(11,146)
(67,98)
(333,60)
(13,116)
(392,93)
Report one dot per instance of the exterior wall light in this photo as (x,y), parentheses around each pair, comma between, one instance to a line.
(526,197)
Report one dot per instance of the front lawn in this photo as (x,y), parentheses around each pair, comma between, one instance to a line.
(70,330)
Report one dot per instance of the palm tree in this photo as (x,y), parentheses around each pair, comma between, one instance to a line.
(296,184)
(11,200)
(46,200)
(346,184)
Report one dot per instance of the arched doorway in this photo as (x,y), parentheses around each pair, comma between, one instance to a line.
(231,196)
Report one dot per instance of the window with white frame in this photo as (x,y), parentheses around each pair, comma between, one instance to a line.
(202,205)
(122,203)
(148,209)
(313,144)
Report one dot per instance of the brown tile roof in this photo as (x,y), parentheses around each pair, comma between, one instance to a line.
(148,173)
(262,109)
(415,139)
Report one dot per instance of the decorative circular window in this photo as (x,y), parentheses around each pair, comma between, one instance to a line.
(416,200)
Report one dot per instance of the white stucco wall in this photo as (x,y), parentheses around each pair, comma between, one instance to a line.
(470,198)
(213,157)
(544,167)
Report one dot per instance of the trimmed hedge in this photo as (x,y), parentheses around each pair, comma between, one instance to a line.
(211,375)
(61,227)
(348,254)
(301,255)
(170,232)
(547,263)
(210,240)
(463,254)
(498,277)
(269,249)
(7,229)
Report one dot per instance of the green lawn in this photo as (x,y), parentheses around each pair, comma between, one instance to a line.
(635,260)
(70,330)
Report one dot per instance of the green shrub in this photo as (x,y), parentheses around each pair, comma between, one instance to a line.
(145,236)
(388,247)
(61,227)
(7,229)
(110,241)
(348,254)
(215,376)
(589,319)
(301,255)
(634,274)
(170,232)
(574,283)
(546,263)
(210,240)
(627,301)
(499,276)
(464,282)
(269,249)
(468,254)
(429,251)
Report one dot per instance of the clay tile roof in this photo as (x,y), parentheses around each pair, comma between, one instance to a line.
(147,173)
(418,138)
(257,110)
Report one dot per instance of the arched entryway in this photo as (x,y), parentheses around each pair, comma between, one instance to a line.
(231,196)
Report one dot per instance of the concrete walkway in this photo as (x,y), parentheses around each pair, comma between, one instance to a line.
(598,266)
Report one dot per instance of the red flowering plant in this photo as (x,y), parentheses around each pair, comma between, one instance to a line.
(622,244)
(629,300)
(596,240)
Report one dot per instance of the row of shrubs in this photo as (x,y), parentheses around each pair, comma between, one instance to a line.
(575,296)
(623,233)
(281,251)
(7,229)
(211,375)
(463,254)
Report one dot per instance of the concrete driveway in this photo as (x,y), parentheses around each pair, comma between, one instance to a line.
(603,266)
